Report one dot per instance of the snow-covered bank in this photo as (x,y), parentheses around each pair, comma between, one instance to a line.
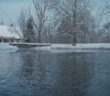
(93,47)
(82,46)
(65,47)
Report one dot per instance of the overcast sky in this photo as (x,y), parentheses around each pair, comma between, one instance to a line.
(12,8)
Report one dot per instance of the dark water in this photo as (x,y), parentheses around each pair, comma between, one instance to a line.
(35,73)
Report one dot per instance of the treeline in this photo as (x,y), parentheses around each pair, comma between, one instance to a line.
(64,21)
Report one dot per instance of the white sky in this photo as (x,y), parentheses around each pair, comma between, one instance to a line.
(11,8)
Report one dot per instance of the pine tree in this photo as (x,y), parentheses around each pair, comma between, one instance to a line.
(30,35)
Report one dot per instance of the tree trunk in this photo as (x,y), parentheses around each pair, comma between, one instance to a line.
(74,23)
(39,37)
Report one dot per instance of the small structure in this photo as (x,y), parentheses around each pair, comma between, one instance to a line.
(7,36)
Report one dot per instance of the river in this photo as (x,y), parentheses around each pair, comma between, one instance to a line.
(41,73)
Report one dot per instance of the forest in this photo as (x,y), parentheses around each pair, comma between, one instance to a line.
(64,21)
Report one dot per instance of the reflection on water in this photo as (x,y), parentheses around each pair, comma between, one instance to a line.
(35,73)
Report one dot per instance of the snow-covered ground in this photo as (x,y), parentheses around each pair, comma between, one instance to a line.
(6,31)
(82,46)
(93,47)
(65,47)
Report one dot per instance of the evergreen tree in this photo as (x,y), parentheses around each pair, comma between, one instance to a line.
(30,35)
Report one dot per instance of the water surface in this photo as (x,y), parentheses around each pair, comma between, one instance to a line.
(40,73)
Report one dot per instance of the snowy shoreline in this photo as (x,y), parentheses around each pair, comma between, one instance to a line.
(65,47)
(93,47)
(83,46)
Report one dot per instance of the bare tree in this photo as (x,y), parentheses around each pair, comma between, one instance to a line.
(22,21)
(107,29)
(71,9)
(41,12)
(21,27)
(14,29)
(103,23)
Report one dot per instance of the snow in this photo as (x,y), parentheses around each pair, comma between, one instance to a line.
(92,47)
(82,46)
(5,31)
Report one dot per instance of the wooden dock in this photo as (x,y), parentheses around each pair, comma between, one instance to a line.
(29,45)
